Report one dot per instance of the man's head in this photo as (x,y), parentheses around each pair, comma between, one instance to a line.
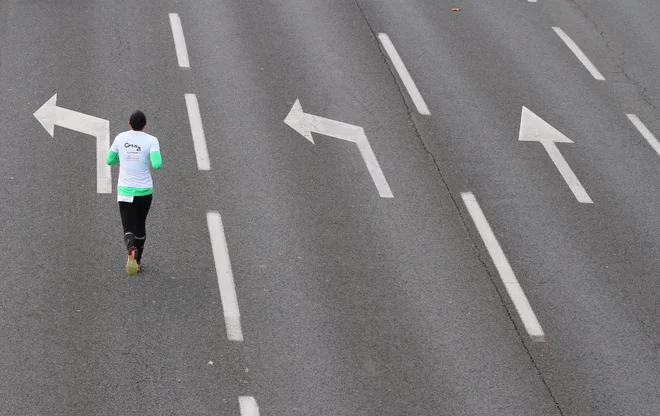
(137,121)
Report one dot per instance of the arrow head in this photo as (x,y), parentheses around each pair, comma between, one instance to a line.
(46,115)
(534,129)
(297,120)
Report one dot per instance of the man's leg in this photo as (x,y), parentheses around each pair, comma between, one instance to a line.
(143,203)
(128,212)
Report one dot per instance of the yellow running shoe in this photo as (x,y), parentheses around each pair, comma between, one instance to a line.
(132,267)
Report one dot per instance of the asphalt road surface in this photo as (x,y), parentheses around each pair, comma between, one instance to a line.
(460,215)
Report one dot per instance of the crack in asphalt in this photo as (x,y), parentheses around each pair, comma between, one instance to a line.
(476,249)
(620,61)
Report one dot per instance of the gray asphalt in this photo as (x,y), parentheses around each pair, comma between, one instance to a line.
(351,304)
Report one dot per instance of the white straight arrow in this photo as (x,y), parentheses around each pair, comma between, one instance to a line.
(534,129)
(50,115)
(305,124)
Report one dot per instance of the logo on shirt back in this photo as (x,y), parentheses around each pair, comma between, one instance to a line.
(135,146)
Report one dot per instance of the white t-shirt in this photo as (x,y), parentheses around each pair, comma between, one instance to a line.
(134,148)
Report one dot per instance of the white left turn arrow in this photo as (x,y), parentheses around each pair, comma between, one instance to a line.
(534,129)
(50,115)
(305,124)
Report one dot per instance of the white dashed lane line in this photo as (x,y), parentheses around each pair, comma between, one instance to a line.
(578,53)
(179,41)
(248,406)
(225,276)
(645,132)
(197,130)
(504,269)
(404,74)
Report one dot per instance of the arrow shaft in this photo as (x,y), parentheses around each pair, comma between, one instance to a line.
(96,127)
(355,134)
(567,173)
(306,124)
(103,172)
(333,128)
(374,168)
(83,123)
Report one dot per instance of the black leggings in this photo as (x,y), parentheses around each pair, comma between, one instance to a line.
(134,219)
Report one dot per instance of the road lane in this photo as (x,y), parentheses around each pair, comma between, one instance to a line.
(197,131)
(79,336)
(225,276)
(350,304)
(624,37)
(249,406)
(589,271)
(578,53)
(179,41)
(645,132)
(403,74)
(509,280)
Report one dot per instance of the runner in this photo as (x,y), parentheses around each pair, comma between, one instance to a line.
(135,150)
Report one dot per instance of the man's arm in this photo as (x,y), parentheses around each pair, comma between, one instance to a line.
(156,160)
(113,154)
(112,158)
(154,155)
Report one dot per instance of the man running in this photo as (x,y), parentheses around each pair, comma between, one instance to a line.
(135,150)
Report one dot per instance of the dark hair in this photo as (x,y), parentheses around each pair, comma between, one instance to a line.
(138,120)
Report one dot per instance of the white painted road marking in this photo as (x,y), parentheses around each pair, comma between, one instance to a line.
(404,74)
(197,129)
(179,41)
(645,132)
(578,52)
(225,276)
(534,129)
(504,269)
(50,115)
(305,124)
(248,406)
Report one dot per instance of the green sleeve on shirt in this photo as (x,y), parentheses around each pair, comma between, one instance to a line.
(112,158)
(156,160)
